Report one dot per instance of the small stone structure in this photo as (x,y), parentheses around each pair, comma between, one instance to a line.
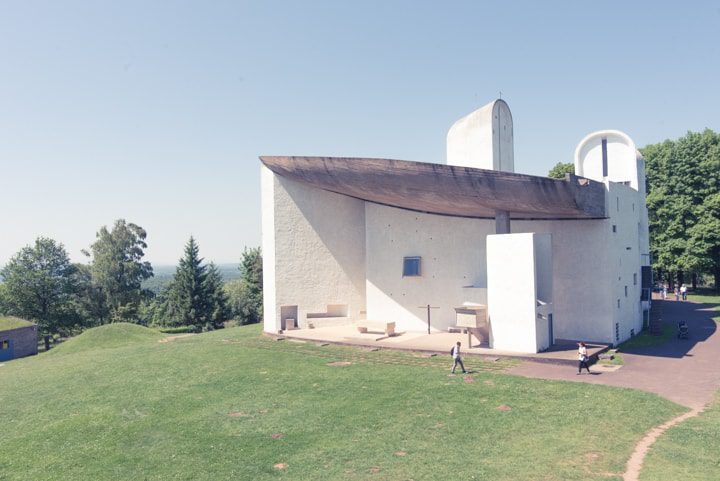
(18,342)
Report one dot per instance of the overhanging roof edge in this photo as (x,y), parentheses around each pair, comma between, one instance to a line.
(446,189)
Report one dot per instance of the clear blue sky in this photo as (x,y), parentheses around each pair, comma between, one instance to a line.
(156,111)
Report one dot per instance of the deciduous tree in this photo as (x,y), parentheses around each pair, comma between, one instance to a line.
(118,270)
(246,295)
(560,169)
(683,183)
(39,284)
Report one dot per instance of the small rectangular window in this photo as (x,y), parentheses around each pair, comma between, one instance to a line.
(635,279)
(411,266)
(618,303)
(614,228)
(625,291)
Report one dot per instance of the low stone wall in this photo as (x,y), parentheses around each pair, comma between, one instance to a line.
(24,339)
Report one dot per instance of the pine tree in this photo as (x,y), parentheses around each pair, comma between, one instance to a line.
(218,309)
(185,296)
(195,296)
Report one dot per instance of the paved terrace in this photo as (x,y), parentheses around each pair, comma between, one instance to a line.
(440,343)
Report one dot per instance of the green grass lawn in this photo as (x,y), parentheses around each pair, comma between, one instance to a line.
(117,404)
(616,360)
(712,298)
(688,451)
(7,323)
(645,339)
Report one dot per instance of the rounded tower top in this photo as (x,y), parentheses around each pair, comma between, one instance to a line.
(483,139)
(609,155)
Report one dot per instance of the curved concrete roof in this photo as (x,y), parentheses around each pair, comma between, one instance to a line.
(446,189)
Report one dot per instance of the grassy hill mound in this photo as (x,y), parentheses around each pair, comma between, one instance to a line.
(7,322)
(232,404)
(108,336)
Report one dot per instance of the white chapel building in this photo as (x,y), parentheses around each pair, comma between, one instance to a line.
(347,240)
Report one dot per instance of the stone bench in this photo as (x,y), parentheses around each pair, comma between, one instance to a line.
(388,328)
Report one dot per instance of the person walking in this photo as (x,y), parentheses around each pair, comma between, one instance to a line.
(664,292)
(683,292)
(677,294)
(457,359)
(582,358)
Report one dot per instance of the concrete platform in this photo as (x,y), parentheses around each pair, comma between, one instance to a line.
(563,352)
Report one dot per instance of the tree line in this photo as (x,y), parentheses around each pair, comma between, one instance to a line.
(683,200)
(41,284)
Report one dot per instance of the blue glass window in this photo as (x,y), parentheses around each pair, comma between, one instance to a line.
(411,266)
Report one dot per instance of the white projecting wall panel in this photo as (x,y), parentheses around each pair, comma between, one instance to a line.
(518,267)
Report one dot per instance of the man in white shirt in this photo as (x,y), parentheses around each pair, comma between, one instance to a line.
(457,359)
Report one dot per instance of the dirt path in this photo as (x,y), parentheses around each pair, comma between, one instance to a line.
(173,338)
(635,463)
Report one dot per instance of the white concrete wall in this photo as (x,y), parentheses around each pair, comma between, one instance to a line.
(512,292)
(625,209)
(315,252)
(503,138)
(543,289)
(483,139)
(628,248)
(271,312)
(453,256)
(582,303)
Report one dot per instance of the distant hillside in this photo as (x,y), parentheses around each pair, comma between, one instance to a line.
(164,274)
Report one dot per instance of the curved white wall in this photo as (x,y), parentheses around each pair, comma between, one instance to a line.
(622,163)
(313,250)
(452,251)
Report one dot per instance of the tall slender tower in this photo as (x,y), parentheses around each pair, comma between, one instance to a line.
(483,139)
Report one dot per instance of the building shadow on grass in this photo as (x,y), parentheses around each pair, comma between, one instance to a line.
(701,327)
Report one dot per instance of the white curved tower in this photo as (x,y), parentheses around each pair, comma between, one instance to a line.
(609,155)
(483,139)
